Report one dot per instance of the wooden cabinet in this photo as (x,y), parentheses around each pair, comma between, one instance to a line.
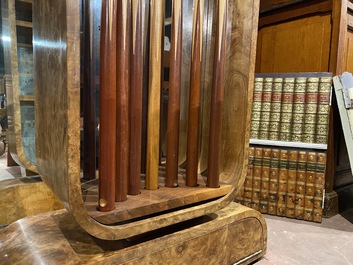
(312,36)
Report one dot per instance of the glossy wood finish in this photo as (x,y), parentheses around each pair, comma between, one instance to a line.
(136,87)
(122,98)
(20,117)
(172,161)
(89,93)
(217,98)
(193,137)
(56,41)
(108,107)
(154,93)
(234,235)
(268,5)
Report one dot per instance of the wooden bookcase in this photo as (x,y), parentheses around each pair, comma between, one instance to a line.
(312,36)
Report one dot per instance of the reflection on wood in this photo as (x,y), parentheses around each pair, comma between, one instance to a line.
(194,98)
(174,97)
(217,98)
(153,122)
(136,99)
(107,136)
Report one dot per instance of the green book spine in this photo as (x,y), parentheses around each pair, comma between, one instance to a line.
(273,189)
(282,183)
(256,108)
(298,109)
(248,185)
(300,185)
(323,110)
(311,102)
(266,108)
(319,186)
(286,109)
(291,182)
(255,196)
(265,179)
(276,103)
(310,186)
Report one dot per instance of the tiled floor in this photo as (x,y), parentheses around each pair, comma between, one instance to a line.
(289,241)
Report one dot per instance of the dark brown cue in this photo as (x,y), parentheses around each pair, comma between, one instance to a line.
(194,97)
(107,135)
(136,76)
(122,98)
(217,95)
(171,179)
(154,94)
(89,96)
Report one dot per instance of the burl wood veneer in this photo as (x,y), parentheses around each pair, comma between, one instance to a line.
(57,93)
(233,235)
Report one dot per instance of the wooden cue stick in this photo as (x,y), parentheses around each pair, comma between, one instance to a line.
(194,97)
(217,95)
(154,89)
(122,110)
(171,179)
(107,136)
(136,100)
(89,97)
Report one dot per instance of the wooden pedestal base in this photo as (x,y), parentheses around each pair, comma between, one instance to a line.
(233,235)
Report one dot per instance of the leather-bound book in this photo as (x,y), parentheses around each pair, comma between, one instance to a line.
(286,109)
(319,187)
(276,103)
(266,108)
(248,185)
(255,196)
(300,185)
(309,185)
(265,179)
(273,187)
(282,183)
(256,108)
(298,109)
(323,109)
(311,102)
(291,182)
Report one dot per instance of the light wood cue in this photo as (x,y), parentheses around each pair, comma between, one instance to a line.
(136,75)
(194,98)
(171,179)
(217,97)
(154,89)
(122,112)
(89,97)
(107,136)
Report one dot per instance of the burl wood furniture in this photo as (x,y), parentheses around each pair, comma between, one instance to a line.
(312,36)
(198,225)
(18,53)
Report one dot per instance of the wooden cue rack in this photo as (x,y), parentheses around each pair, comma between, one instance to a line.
(57,65)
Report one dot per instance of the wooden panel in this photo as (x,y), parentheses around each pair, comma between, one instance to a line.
(348,65)
(273,4)
(296,46)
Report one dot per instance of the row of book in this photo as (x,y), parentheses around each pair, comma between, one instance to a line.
(285,182)
(292,107)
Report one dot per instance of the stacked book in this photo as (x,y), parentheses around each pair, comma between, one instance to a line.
(291,107)
(285,182)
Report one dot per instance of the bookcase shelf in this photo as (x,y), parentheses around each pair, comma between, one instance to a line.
(288,144)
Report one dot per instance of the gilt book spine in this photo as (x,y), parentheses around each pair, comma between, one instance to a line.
(319,186)
(300,185)
(256,108)
(298,109)
(311,101)
(275,115)
(273,189)
(265,179)
(266,108)
(255,196)
(291,182)
(282,183)
(248,185)
(309,185)
(286,109)
(323,110)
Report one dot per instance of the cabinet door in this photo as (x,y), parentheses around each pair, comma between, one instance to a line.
(348,64)
(300,45)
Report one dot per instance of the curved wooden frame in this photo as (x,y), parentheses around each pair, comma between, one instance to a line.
(14,134)
(57,88)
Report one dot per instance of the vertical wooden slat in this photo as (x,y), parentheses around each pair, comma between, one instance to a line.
(107,136)
(154,89)
(122,110)
(89,97)
(136,76)
(217,98)
(174,97)
(194,98)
